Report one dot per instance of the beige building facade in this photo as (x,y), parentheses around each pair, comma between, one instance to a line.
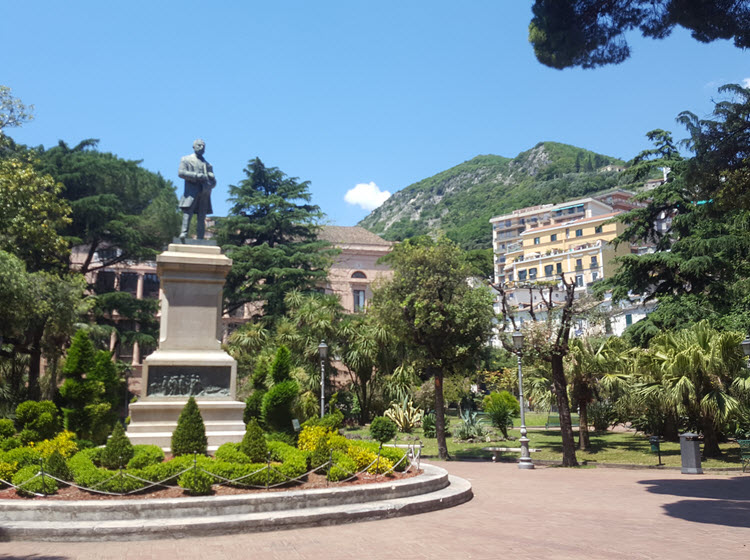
(356,270)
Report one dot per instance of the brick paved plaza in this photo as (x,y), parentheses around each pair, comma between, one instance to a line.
(548,513)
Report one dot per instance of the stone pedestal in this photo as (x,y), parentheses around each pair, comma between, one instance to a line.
(189,360)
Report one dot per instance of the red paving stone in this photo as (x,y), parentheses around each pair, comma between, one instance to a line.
(549,513)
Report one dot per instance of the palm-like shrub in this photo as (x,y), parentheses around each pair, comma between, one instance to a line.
(700,371)
(501,408)
(470,426)
(190,434)
(405,415)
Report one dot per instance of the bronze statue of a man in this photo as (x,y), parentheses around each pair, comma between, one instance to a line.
(199,180)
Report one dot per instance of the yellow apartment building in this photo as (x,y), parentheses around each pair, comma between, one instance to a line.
(581,249)
(507,229)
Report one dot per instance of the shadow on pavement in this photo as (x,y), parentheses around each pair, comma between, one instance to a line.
(32,557)
(736,488)
(717,512)
(722,502)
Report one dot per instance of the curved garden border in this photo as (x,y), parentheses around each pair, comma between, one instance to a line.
(184,517)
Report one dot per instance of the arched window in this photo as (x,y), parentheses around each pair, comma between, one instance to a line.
(359,274)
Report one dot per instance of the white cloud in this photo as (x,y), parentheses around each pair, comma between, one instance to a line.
(746,83)
(366,195)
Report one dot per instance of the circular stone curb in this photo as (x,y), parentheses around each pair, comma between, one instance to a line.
(214,515)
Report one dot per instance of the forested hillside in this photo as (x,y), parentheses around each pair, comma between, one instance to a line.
(461,200)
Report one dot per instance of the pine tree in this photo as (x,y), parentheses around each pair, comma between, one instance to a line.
(80,356)
(282,365)
(190,434)
(271,237)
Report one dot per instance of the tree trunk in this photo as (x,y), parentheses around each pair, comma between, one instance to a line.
(50,390)
(364,409)
(710,439)
(35,366)
(583,426)
(440,414)
(566,424)
(671,431)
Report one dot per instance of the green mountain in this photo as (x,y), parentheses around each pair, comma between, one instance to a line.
(461,200)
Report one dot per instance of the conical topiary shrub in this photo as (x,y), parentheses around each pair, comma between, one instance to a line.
(190,434)
(282,365)
(254,443)
(118,450)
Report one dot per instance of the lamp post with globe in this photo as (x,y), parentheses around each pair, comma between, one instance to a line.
(525,461)
(323,352)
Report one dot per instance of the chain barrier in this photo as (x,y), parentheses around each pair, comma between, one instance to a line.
(409,456)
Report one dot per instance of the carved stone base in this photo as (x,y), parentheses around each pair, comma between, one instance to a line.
(153,421)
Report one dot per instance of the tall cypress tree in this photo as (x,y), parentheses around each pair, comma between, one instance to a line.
(271,235)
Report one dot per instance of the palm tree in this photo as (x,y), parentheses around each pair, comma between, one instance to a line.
(701,371)
(592,367)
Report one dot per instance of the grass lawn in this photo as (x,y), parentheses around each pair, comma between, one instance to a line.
(606,447)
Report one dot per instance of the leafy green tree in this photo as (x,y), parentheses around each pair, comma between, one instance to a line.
(12,111)
(591,33)
(431,307)
(546,339)
(190,434)
(703,372)
(120,211)
(32,214)
(41,310)
(271,237)
(701,266)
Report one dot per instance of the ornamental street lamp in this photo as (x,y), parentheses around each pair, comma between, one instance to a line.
(525,461)
(323,352)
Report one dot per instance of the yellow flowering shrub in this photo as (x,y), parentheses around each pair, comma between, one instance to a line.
(309,437)
(62,442)
(361,456)
(7,470)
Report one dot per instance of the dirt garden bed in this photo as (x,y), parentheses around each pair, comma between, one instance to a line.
(314,481)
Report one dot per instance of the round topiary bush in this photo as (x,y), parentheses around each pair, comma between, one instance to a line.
(7,428)
(32,484)
(254,443)
(383,429)
(190,434)
(197,482)
(118,450)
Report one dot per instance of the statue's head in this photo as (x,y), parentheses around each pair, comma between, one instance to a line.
(199,146)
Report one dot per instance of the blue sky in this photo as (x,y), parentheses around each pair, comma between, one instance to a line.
(339,93)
